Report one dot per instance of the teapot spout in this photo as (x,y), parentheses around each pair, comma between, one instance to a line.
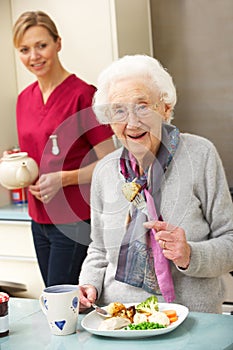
(23,175)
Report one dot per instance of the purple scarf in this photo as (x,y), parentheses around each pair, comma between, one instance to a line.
(141,262)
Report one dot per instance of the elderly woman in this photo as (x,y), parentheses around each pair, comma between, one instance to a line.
(162,215)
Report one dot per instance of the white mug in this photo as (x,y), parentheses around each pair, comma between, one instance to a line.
(60,304)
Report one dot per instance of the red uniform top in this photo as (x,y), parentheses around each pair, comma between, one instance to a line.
(68,115)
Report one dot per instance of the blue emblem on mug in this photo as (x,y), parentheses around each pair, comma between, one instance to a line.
(75,302)
(46,303)
(60,324)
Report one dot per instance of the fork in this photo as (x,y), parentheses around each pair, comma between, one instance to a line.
(140,203)
(101,311)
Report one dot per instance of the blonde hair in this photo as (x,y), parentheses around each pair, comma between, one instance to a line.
(30,19)
(148,68)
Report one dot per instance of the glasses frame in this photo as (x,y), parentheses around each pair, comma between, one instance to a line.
(121,111)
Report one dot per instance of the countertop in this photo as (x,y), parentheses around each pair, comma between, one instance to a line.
(14,212)
(29,330)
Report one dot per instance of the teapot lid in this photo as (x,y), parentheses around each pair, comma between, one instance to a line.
(13,156)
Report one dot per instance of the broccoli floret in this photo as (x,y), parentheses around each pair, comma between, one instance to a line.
(149,305)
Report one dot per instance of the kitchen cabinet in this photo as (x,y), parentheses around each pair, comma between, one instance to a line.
(18,258)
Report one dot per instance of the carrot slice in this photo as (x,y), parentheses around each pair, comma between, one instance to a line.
(173,319)
(171,314)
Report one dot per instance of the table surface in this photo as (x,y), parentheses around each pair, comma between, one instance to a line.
(29,331)
(14,212)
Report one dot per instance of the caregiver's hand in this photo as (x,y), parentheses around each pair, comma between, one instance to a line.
(173,241)
(47,186)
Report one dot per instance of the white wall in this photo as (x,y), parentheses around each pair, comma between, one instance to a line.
(8,91)
(93,32)
(85,28)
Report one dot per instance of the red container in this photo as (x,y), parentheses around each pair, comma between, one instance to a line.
(4,321)
(19,196)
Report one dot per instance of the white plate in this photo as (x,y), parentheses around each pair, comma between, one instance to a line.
(92,321)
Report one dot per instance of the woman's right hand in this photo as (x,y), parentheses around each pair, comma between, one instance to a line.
(87,296)
(46,186)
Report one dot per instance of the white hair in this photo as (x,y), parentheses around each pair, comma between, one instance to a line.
(138,66)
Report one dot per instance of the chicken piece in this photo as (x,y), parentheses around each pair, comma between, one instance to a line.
(116,309)
(120,310)
(113,323)
(130,312)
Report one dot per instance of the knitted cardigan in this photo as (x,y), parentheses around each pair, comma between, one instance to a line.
(196,197)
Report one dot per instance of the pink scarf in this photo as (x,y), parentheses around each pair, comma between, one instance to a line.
(141,262)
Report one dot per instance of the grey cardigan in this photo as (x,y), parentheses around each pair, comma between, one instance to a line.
(195,196)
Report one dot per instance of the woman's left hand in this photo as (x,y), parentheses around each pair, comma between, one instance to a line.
(172,240)
(47,186)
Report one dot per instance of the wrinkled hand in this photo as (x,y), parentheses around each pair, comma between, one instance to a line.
(87,296)
(46,186)
(173,242)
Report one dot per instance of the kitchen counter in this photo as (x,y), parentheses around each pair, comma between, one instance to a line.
(15,212)
(19,265)
(29,330)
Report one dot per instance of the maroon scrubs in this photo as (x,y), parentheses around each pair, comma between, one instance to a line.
(68,115)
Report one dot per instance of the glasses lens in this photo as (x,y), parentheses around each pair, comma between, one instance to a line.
(121,112)
(142,110)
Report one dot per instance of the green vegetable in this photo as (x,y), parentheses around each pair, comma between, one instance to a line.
(149,305)
(144,326)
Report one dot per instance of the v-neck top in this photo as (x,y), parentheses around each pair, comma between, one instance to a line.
(68,115)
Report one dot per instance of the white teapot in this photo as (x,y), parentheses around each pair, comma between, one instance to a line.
(17,170)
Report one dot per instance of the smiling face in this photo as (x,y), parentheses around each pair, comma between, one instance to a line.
(38,51)
(140,133)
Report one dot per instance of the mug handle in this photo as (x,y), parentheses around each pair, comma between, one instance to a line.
(42,304)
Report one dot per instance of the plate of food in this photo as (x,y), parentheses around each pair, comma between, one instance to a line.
(136,320)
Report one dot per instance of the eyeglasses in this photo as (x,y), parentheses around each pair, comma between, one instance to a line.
(120,112)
